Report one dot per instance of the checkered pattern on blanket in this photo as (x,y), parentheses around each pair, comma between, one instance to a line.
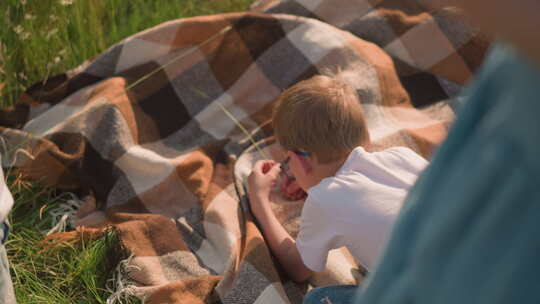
(432,47)
(142,129)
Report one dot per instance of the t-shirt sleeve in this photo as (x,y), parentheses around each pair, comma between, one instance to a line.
(316,236)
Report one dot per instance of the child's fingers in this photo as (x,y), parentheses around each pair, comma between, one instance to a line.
(258,166)
(263,167)
(267,166)
(274,171)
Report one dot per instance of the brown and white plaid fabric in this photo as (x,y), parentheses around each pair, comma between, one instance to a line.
(434,49)
(142,129)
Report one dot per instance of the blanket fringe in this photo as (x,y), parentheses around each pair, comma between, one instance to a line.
(120,286)
(63,216)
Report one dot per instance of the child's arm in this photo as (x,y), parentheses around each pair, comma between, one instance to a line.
(282,245)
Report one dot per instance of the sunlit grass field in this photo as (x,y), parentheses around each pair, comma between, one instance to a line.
(38,39)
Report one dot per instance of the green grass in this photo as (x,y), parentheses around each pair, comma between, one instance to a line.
(40,38)
(43,38)
(62,274)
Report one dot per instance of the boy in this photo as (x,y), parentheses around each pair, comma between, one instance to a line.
(353,195)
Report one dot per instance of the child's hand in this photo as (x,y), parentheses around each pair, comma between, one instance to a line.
(260,182)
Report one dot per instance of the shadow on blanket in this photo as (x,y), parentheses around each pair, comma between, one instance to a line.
(157,156)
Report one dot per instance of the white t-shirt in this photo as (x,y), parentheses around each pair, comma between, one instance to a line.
(357,207)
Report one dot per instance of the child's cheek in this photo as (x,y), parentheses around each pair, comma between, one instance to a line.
(299,174)
(294,167)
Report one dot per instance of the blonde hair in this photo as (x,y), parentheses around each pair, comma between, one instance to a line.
(321,115)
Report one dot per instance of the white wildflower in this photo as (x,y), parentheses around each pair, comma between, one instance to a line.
(18,29)
(23,2)
(56,59)
(29,17)
(66,2)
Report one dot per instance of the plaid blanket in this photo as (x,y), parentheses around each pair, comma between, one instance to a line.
(434,49)
(146,130)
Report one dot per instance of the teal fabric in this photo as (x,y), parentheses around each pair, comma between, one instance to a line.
(469,231)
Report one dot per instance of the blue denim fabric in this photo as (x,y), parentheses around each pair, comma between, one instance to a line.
(338,294)
(4,232)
